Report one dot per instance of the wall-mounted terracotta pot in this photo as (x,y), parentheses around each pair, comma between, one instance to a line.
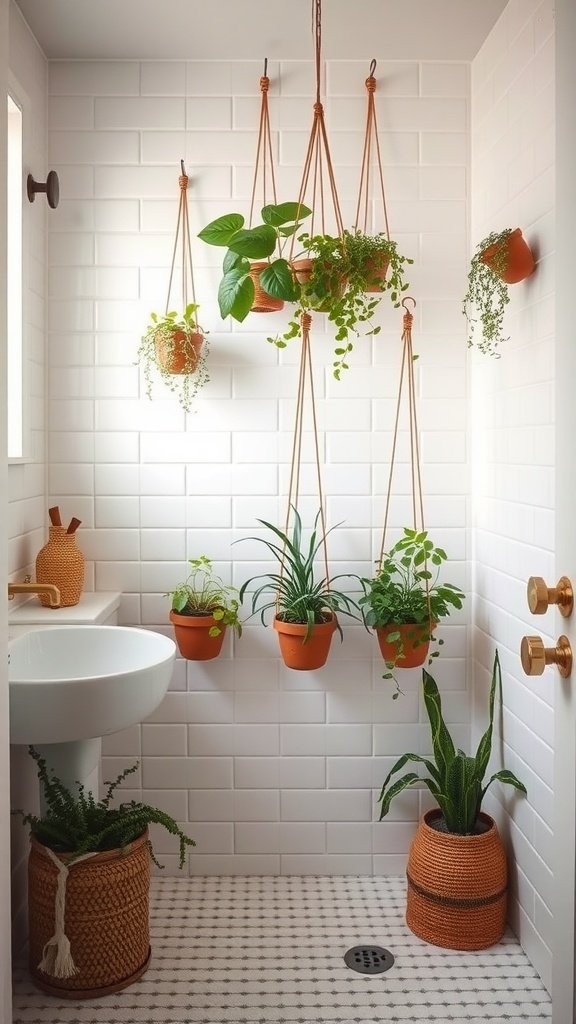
(414,639)
(181,354)
(309,655)
(302,270)
(193,638)
(519,259)
(263,303)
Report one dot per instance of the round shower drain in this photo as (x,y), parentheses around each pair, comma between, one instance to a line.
(369,959)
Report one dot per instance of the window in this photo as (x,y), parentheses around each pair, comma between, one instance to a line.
(14,283)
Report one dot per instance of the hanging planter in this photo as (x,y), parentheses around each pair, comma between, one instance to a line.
(503,258)
(175,346)
(304,649)
(202,607)
(403,645)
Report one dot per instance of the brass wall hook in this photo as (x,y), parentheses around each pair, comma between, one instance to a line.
(535,656)
(51,187)
(540,596)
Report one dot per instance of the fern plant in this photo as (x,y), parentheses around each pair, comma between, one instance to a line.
(74,822)
(456,780)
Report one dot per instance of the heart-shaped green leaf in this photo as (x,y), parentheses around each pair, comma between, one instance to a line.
(256,243)
(235,294)
(221,230)
(233,259)
(284,213)
(277,281)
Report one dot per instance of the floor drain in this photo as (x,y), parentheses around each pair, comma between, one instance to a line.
(369,959)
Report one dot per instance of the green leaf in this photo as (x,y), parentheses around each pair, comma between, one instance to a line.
(256,243)
(442,743)
(221,230)
(508,777)
(236,294)
(232,260)
(284,213)
(277,280)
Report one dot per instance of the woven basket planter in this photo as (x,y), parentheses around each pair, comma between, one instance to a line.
(106,918)
(263,303)
(457,886)
(61,562)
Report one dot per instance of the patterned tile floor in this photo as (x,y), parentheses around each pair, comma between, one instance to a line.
(239,950)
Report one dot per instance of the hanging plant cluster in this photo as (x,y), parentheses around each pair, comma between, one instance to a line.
(502,258)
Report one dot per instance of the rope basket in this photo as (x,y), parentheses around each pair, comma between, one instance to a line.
(263,303)
(106,918)
(61,562)
(457,886)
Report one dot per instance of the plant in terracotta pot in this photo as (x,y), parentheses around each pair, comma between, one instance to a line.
(176,347)
(345,277)
(252,280)
(305,605)
(500,259)
(404,601)
(202,607)
(457,873)
(88,887)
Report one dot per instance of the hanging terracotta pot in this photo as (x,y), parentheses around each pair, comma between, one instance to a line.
(180,354)
(414,642)
(302,270)
(519,261)
(300,655)
(457,885)
(376,270)
(193,638)
(263,303)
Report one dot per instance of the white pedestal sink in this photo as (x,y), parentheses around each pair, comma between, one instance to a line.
(71,685)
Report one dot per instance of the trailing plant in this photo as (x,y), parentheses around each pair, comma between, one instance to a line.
(343,270)
(236,289)
(161,331)
(456,780)
(205,593)
(74,822)
(297,594)
(487,296)
(405,591)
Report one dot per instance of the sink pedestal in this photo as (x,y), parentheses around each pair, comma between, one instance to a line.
(73,763)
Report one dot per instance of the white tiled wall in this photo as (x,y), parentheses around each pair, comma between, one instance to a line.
(273,770)
(513,438)
(27,515)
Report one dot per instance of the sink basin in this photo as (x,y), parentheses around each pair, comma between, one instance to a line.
(71,683)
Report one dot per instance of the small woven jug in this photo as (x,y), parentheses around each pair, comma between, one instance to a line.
(61,562)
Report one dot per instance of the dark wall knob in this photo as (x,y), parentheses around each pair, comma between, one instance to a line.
(51,187)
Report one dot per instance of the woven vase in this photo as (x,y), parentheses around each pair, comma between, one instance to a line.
(457,886)
(106,918)
(61,562)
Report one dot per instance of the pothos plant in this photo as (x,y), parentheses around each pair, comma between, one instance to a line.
(261,242)
(487,296)
(177,348)
(347,283)
(204,593)
(406,591)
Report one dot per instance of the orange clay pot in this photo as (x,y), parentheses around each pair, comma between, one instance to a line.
(192,636)
(302,656)
(519,262)
(302,270)
(376,269)
(263,303)
(457,885)
(414,639)
(181,356)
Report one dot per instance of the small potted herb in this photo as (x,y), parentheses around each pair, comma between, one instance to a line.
(457,876)
(305,606)
(503,258)
(202,607)
(404,601)
(252,280)
(89,886)
(176,347)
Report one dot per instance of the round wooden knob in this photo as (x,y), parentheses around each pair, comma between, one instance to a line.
(535,656)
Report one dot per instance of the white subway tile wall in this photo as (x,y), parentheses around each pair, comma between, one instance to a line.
(274,770)
(513,438)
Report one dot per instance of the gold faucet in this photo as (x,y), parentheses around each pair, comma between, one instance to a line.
(35,588)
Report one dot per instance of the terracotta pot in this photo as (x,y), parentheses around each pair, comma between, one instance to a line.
(263,303)
(414,639)
(302,270)
(304,656)
(106,918)
(519,261)
(457,886)
(181,355)
(192,636)
(61,562)
(376,269)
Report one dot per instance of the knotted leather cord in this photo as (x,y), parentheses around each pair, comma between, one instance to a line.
(183,233)
(264,155)
(371,134)
(407,370)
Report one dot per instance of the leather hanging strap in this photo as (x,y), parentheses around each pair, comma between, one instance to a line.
(264,162)
(183,236)
(371,145)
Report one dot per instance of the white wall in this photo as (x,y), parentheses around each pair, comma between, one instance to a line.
(273,770)
(513,436)
(27,511)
